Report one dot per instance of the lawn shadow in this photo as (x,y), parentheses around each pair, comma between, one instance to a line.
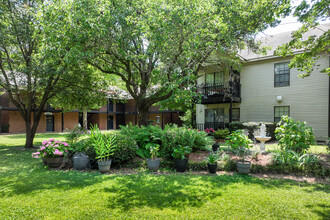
(322,210)
(177,191)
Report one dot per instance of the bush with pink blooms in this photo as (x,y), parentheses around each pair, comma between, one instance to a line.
(51,148)
(209,130)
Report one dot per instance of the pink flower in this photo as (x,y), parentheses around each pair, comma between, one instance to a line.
(42,148)
(52,139)
(44,142)
(56,145)
(65,144)
(36,155)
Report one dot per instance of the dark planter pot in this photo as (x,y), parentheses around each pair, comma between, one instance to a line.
(104,166)
(80,161)
(243,167)
(212,167)
(153,164)
(215,147)
(44,161)
(54,162)
(181,165)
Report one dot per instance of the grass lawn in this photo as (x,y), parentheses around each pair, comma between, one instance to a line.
(28,190)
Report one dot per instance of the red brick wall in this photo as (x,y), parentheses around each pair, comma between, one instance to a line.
(70,120)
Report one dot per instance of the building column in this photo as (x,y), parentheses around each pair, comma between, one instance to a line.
(62,121)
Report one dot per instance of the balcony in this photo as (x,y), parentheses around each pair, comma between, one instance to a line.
(220,92)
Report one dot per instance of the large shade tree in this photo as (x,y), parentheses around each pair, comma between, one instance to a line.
(155,46)
(28,74)
(310,14)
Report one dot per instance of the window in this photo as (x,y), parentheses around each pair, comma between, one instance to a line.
(281,74)
(214,115)
(214,78)
(279,111)
(235,114)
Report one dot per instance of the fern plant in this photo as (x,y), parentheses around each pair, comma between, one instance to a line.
(104,145)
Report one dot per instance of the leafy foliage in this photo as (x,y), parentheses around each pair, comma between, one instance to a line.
(239,143)
(309,13)
(74,134)
(125,148)
(221,134)
(294,135)
(181,152)
(143,136)
(290,160)
(104,145)
(213,157)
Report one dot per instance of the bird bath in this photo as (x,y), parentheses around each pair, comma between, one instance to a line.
(262,138)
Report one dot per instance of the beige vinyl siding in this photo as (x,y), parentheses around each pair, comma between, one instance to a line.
(307,98)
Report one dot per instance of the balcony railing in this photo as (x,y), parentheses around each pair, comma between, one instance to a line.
(220,92)
(213,125)
(4,102)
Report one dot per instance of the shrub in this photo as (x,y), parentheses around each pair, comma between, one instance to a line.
(294,135)
(181,152)
(174,136)
(289,161)
(221,134)
(74,134)
(236,125)
(125,148)
(239,143)
(143,135)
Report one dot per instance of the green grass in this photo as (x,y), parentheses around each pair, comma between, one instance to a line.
(28,190)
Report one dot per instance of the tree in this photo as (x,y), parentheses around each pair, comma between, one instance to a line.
(309,13)
(155,46)
(89,92)
(28,74)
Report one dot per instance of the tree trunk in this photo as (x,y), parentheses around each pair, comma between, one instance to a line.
(85,119)
(29,134)
(143,114)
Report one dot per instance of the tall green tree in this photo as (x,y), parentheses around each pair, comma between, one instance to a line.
(28,74)
(89,92)
(309,13)
(155,46)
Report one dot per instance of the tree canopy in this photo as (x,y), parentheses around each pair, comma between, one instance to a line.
(155,46)
(309,13)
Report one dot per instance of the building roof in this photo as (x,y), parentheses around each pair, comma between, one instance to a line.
(278,39)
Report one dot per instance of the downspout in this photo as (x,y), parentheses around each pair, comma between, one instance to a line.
(329,104)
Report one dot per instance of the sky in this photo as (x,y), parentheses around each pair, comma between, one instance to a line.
(289,23)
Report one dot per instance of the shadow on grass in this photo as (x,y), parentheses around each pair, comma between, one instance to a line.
(20,174)
(322,210)
(178,191)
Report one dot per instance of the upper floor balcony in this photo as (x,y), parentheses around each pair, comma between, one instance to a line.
(220,92)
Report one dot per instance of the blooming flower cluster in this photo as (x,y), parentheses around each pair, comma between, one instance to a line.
(209,130)
(51,148)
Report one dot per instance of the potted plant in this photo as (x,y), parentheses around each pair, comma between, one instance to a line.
(179,154)
(52,152)
(153,162)
(104,147)
(239,143)
(77,150)
(212,160)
